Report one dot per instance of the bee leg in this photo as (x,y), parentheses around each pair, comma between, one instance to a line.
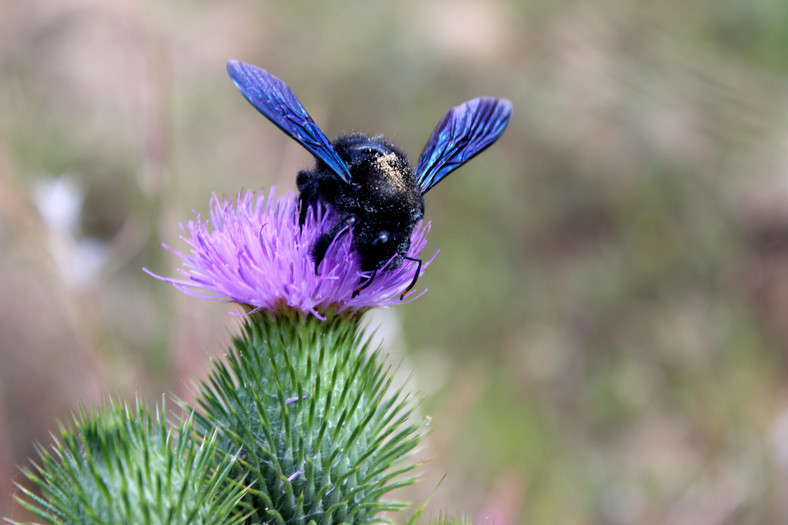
(308,193)
(323,242)
(415,277)
(319,249)
(366,283)
(304,204)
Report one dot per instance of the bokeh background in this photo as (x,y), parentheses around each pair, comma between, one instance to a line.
(604,337)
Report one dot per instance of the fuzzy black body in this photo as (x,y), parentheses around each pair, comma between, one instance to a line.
(382,205)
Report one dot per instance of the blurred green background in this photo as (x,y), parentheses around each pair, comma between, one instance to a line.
(604,337)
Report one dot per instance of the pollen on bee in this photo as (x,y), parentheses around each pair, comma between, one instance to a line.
(387,164)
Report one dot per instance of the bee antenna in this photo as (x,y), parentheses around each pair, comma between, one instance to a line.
(415,277)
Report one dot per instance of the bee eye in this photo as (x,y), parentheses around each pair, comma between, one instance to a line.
(382,238)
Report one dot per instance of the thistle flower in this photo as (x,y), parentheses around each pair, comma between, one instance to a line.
(254,252)
(127,464)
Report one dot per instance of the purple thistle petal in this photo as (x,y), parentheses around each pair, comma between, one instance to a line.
(294,475)
(293,399)
(254,252)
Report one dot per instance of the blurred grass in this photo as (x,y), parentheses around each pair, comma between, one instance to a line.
(604,336)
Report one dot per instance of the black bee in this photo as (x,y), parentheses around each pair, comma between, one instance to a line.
(368,181)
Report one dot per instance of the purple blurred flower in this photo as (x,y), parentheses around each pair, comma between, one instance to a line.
(254,252)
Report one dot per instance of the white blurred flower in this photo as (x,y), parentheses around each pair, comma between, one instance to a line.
(59,203)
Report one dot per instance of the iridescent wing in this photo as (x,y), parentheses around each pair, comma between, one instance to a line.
(274,99)
(464,132)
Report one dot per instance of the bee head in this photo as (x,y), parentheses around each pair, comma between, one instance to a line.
(378,246)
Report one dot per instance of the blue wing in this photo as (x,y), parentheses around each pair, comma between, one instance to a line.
(464,132)
(274,99)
